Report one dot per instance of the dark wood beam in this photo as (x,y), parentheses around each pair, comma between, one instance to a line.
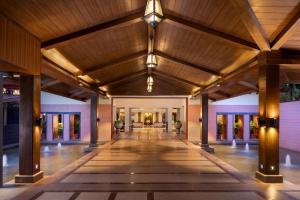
(159,73)
(286,32)
(118,61)
(50,83)
(177,60)
(222,93)
(248,85)
(248,17)
(123,78)
(204,122)
(172,19)
(88,32)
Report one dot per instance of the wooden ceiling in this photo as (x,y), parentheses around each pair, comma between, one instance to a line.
(207,45)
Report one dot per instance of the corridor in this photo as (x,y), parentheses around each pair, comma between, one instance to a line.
(152,165)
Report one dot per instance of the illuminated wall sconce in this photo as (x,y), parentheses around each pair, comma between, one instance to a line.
(268,122)
(38,121)
(98,119)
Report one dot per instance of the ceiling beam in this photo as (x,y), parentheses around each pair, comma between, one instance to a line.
(248,85)
(224,94)
(286,32)
(177,60)
(74,94)
(50,83)
(115,62)
(172,19)
(159,73)
(252,24)
(84,33)
(123,78)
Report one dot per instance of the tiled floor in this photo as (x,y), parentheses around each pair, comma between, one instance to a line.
(155,167)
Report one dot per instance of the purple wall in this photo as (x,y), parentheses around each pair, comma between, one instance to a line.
(290,125)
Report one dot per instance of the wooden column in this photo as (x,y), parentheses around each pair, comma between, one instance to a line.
(204,135)
(29,134)
(1,130)
(269,101)
(94,123)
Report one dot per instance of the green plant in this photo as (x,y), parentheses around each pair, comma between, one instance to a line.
(118,122)
(178,122)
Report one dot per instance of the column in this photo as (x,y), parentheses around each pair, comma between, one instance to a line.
(139,116)
(94,124)
(1,130)
(230,122)
(204,131)
(66,127)
(169,119)
(5,114)
(29,134)
(268,82)
(49,127)
(127,119)
(246,127)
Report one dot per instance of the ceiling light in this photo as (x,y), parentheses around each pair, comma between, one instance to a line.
(16,75)
(218,85)
(153,14)
(150,80)
(151,60)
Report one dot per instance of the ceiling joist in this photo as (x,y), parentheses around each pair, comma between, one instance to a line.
(248,85)
(177,60)
(115,62)
(172,19)
(252,24)
(84,33)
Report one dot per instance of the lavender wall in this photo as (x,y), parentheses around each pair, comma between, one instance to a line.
(289,126)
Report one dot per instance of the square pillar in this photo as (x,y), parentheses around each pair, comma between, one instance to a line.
(230,122)
(94,120)
(29,134)
(269,100)
(66,134)
(127,119)
(204,115)
(49,133)
(246,127)
(170,119)
(1,130)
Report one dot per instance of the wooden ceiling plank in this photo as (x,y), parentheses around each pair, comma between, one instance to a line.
(222,93)
(88,32)
(252,24)
(286,32)
(248,85)
(50,83)
(123,78)
(77,93)
(172,19)
(115,62)
(177,60)
(159,73)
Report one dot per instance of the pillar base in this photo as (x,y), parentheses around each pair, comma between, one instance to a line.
(269,178)
(29,178)
(91,147)
(207,148)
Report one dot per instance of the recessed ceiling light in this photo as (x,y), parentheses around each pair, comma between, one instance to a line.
(218,85)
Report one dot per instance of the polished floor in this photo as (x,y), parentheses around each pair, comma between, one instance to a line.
(154,166)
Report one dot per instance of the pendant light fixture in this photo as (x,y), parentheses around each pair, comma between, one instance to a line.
(151,60)
(153,14)
(150,80)
(149,88)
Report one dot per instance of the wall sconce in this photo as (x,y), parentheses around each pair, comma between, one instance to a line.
(98,119)
(200,119)
(272,122)
(262,122)
(38,121)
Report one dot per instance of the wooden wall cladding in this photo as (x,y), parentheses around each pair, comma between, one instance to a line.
(19,49)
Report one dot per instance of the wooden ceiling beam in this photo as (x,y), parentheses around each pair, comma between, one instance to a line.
(74,94)
(286,32)
(159,73)
(224,94)
(136,17)
(177,60)
(248,85)
(118,61)
(123,78)
(252,24)
(172,19)
(50,83)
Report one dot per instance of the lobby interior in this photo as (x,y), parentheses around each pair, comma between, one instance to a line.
(149,99)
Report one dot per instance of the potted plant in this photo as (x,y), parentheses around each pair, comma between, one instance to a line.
(118,124)
(178,125)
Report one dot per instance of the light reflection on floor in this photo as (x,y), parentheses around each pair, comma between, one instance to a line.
(51,161)
(246,162)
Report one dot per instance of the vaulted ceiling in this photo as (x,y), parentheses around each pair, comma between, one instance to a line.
(207,45)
